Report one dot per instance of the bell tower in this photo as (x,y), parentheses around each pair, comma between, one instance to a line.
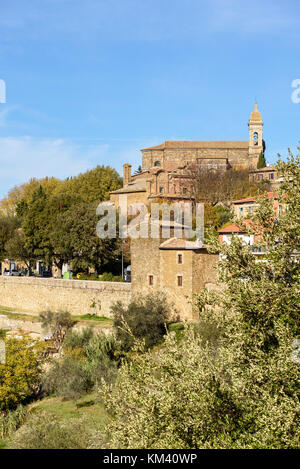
(256,145)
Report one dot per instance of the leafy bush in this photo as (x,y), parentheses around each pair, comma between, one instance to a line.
(58,324)
(232,381)
(44,431)
(109,277)
(21,373)
(144,318)
(67,378)
(193,395)
(12,420)
(88,357)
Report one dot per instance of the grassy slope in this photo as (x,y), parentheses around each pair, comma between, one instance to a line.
(87,407)
(87,319)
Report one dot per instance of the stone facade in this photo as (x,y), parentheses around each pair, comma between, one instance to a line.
(166,168)
(75,296)
(178,267)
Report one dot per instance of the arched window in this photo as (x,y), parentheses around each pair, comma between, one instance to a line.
(157,163)
(255,138)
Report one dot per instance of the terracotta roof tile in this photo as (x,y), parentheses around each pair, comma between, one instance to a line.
(194,144)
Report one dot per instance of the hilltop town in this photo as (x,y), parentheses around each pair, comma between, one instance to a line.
(152,315)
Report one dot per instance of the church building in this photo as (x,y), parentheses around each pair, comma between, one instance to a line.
(166,167)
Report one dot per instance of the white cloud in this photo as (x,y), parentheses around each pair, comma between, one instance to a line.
(24,158)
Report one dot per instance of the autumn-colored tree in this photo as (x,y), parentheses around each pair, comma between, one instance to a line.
(214,186)
(21,372)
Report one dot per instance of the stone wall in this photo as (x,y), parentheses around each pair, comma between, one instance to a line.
(76,296)
(179,296)
(145,261)
(237,157)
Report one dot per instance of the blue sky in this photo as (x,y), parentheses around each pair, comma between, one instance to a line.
(92,82)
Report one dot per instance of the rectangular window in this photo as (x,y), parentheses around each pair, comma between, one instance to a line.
(150,279)
(179,281)
(161,190)
(179,258)
(241,210)
(271,175)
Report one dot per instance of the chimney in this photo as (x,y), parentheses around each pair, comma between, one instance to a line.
(126,174)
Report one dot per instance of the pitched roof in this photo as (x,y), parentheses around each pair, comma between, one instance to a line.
(192,144)
(136,186)
(270,195)
(234,228)
(267,168)
(180,243)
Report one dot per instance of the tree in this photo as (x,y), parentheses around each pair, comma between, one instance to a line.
(214,186)
(39,217)
(23,193)
(138,170)
(74,238)
(144,318)
(21,372)
(94,185)
(16,249)
(7,227)
(261,161)
(58,324)
(231,381)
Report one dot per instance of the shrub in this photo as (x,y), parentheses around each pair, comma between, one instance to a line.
(21,373)
(12,420)
(88,357)
(144,318)
(66,378)
(44,431)
(109,277)
(58,324)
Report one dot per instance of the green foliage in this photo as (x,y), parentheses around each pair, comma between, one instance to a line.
(88,358)
(7,227)
(12,420)
(138,170)
(58,324)
(261,161)
(74,238)
(21,372)
(47,233)
(45,431)
(109,277)
(144,318)
(231,381)
(95,184)
(216,216)
(16,249)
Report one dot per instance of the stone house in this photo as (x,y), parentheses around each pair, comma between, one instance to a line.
(243,210)
(176,266)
